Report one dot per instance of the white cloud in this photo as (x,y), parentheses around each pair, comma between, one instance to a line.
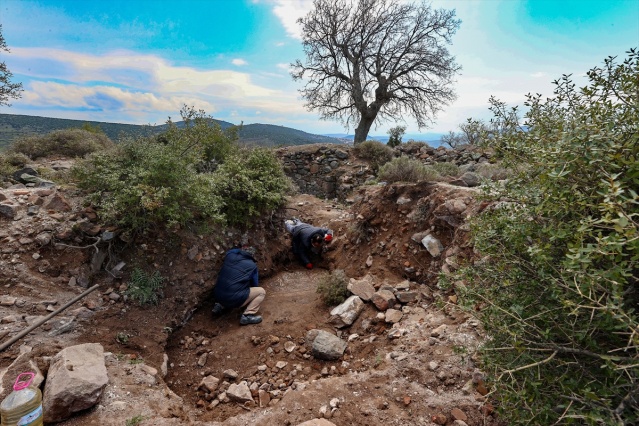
(285,67)
(539,74)
(239,62)
(289,11)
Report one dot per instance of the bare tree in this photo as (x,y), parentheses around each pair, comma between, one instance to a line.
(374,60)
(7,88)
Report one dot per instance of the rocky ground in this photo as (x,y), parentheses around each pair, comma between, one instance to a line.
(408,354)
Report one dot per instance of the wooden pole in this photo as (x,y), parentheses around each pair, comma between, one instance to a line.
(32,327)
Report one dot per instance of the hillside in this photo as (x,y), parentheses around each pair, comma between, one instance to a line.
(13,126)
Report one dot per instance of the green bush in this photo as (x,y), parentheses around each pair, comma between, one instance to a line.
(404,169)
(143,183)
(375,152)
(10,162)
(145,288)
(332,288)
(250,182)
(446,169)
(557,286)
(67,142)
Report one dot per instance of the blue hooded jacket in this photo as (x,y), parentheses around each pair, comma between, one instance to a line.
(238,274)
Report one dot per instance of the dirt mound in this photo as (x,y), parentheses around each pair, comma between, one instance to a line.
(411,370)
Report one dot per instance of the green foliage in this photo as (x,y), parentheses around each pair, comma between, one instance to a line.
(69,143)
(145,288)
(10,162)
(134,421)
(142,183)
(446,169)
(332,288)
(375,152)
(249,183)
(92,128)
(190,173)
(405,169)
(558,282)
(395,136)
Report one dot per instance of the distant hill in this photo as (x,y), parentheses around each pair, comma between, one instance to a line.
(13,126)
(433,139)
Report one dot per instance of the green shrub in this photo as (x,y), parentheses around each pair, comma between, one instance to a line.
(68,143)
(557,286)
(143,183)
(446,169)
(145,288)
(250,182)
(375,152)
(404,169)
(332,288)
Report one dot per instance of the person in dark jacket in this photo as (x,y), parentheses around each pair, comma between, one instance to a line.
(307,240)
(237,285)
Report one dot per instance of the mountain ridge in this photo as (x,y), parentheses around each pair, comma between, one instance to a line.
(14,125)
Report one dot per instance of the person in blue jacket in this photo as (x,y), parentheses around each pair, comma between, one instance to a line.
(237,285)
(307,240)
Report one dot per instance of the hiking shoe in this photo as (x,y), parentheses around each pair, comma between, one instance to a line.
(218,309)
(250,319)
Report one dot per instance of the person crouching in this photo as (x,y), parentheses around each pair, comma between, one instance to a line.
(237,285)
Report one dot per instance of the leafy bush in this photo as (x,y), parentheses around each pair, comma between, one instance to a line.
(332,288)
(145,288)
(143,182)
(10,162)
(67,142)
(375,152)
(446,169)
(558,282)
(395,136)
(250,182)
(405,169)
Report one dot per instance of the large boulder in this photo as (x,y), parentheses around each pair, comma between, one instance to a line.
(346,313)
(77,376)
(326,345)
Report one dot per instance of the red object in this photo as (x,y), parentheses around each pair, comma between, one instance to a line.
(309,266)
(328,238)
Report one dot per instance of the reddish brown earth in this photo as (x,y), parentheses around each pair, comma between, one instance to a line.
(380,380)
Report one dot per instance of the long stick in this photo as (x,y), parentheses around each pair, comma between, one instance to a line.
(27,330)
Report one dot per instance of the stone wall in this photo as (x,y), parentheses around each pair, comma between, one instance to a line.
(333,171)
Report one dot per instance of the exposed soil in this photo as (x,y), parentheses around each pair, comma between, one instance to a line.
(419,376)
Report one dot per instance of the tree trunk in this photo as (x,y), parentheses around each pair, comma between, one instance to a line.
(364,126)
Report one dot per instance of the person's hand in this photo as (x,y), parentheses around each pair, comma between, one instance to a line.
(309,266)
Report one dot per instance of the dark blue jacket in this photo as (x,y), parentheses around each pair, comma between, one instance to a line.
(301,236)
(238,274)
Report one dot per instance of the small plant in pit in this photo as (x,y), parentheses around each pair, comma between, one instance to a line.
(134,421)
(404,169)
(332,288)
(122,338)
(145,288)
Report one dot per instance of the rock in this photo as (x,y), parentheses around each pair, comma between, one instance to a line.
(439,419)
(75,381)
(361,288)
(471,179)
(369,261)
(403,200)
(8,210)
(433,365)
(439,331)
(289,347)
(406,296)
(239,393)
(202,360)
(210,383)
(281,364)
(393,316)
(433,245)
(458,414)
(383,299)
(7,300)
(58,203)
(230,374)
(317,422)
(264,398)
(327,346)
(346,313)
(164,369)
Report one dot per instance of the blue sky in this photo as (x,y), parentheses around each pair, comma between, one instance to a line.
(139,61)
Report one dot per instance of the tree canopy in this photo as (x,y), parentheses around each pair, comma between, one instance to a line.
(374,60)
(7,88)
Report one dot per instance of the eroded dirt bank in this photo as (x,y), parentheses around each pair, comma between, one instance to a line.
(412,370)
